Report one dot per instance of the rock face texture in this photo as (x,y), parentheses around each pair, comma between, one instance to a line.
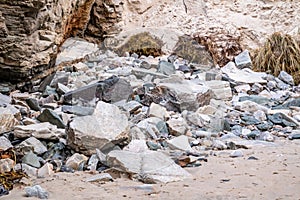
(31,31)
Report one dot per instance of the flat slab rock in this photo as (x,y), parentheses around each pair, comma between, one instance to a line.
(149,166)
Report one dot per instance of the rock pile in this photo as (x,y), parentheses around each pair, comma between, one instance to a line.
(145,116)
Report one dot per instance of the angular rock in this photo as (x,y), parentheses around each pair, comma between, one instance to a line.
(180,143)
(250,106)
(100,177)
(4,100)
(31,159)
(77,161)
(220,89)
(149,127)
(78,110)
(40,131)
(50,116)
(149,166)
(190,95)
(141,73)
(45,171)
(107,126)
(33,104)
(285,77)
(34,144)
(93,163)
(242,76)
(156,110)
(8,118)
(29,170)
(166,68)
(5,143)
(119,91)
(6,165)
(243,60)
(132,106)
(136,146)
(177,127)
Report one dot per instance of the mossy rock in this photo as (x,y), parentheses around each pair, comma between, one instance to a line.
(142,44)
(189,49)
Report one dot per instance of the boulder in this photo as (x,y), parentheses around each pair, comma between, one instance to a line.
(148,166)
(106,127)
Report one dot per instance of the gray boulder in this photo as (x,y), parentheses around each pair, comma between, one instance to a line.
(106,127)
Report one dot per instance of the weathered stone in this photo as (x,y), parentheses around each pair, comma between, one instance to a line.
(242,76)
(177,127)
(45,171)
(180,143)
(141,73)
(29,170)
(242,88)
(93,163)
(33,104)
(132,106)
(149,166)
(6,165)
(190,95)
(243,60)
(250,106)
(285,77)
(4,143)
(40,131)
(103,177)
(31,32)
(78,110)
(77,161)
(236,153)
(166,68)
(149,127)
(204,134)
(32,143)
(156,110)
(221,89)
(50,116)
(119,91)
(107,126)
(4,100)
(136,146)
(31,159)
(8,118)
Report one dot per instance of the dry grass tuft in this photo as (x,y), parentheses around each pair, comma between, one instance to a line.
(281,52)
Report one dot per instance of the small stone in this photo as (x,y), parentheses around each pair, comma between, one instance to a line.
(177,127)
(106,177)
(236,153)
(93,163)
(3,190)
(154,146)
(220,89)
(218,144)
(45,171)
(33,143)
(260,115)
(50,116)
(156,110)
(5,143)
(242,88)
(6,165)
(78,110)
(295,135)
(31,159)
(252,158)
(132,106)
(36,191)
(8,118)
(29,170)
(180,143)
(77,161)
(243,60)
(166,68)
(285,77)
(136,146)
(33,104)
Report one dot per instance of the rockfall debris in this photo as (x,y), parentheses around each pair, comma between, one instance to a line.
(148,117)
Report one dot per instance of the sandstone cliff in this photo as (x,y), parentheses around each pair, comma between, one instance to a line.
(32,30)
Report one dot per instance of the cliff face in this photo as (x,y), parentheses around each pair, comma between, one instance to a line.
(32,30)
